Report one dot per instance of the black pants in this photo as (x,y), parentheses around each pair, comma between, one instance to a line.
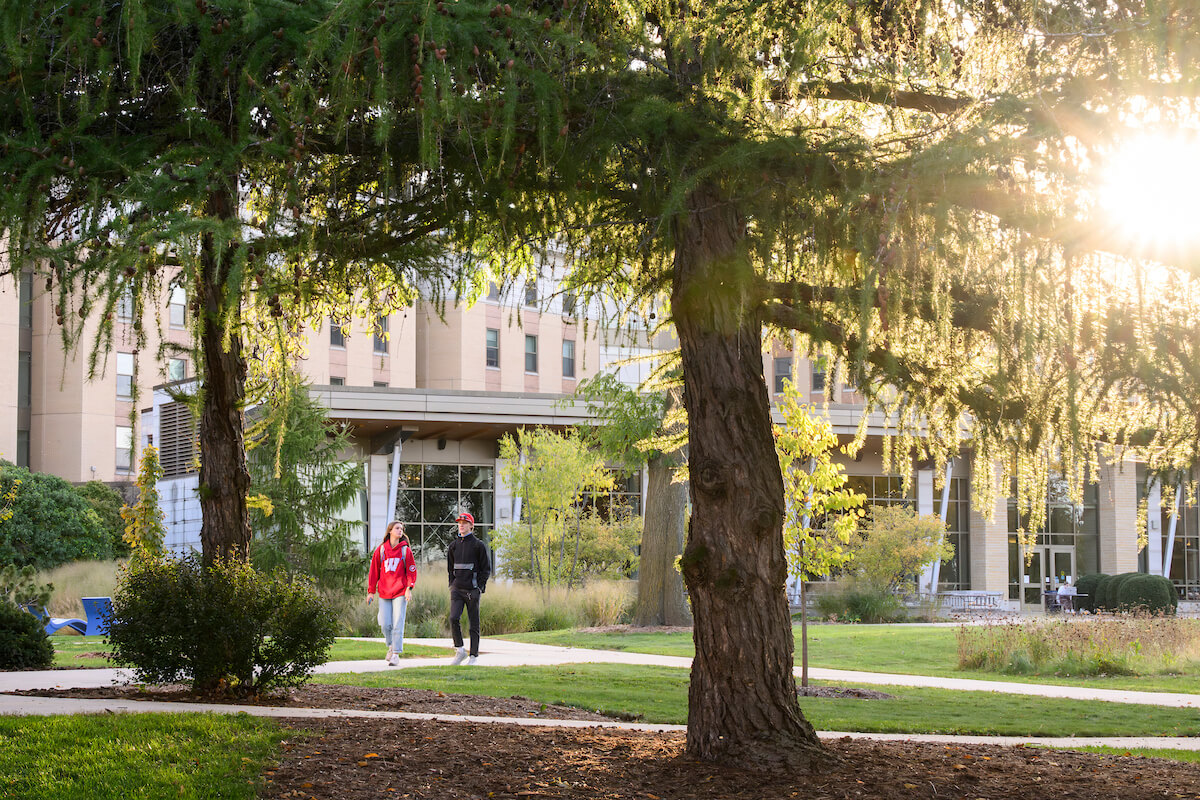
(468,598)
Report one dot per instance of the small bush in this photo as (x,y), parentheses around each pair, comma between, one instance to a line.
(1152,594)
(1086,586)
(1112,592)
(225,628)
(429,628)
(607,603)
(23,640)
(865,604)
(501,615)
(1102,589)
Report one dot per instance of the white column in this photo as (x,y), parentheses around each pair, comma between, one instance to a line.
(925,508)
(1154,543)
(377,497)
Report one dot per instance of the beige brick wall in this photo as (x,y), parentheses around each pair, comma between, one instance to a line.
(1118,517)
(989,543)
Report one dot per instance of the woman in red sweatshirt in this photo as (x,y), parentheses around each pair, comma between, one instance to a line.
(393,572)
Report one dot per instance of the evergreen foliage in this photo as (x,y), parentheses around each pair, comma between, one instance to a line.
(23,641)
(1088,590)
(297,464)
(19,586)
(1151,594)
(50,524)
(106,502)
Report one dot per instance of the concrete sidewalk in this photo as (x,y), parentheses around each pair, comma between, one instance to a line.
(502,653)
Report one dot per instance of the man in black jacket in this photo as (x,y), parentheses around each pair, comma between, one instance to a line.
(469,568)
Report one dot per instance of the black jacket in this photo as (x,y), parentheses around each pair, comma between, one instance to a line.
(467,563)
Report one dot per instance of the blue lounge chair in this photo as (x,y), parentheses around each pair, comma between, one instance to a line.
(98,610)
(54,623)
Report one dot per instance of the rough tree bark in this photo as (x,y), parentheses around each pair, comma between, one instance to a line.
(660,597)
(742,704)
(224,478)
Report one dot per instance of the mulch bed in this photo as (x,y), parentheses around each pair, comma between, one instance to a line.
(356,759)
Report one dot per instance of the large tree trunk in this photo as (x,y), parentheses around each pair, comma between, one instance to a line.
(660,598)
(224,479)
(742,706)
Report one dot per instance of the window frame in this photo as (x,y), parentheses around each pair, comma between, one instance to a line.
(491,351)
(568,359)
(531,353)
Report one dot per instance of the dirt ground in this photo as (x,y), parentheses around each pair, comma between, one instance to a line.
(355,759)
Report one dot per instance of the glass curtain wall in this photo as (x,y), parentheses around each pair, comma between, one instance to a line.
(1068,526)
(888,490)
(431,496)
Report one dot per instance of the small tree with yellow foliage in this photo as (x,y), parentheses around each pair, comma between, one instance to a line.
(144,530)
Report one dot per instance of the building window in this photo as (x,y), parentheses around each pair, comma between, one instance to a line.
(337,336)
(177,369)
(177,308)
(124,376)
(818,374)
(24,379)
(531,293)
(124,448)
(430,496)
(381,335)
(493,294)
(125,307)
(568,304)
(336,381)
(568,358)
(783,372)
(531,354)
(26,300)
(492,347)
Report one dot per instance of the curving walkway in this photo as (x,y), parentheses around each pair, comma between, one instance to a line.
(498,652)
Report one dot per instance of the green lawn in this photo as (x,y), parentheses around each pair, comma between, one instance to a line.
(659,694)
(87,651)
(131,756)
(901,649)
(1191,756)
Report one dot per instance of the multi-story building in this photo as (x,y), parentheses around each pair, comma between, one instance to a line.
(430,398)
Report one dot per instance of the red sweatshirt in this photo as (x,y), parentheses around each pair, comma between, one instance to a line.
(393,570)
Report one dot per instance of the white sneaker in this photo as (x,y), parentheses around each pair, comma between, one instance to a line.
(394,661)
(471,661)
(459,655)
(390,655)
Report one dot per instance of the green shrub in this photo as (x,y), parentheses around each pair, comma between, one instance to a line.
(429,628)
(1152,594)
(19,586)
(224,628)
(430,600)
(1102,589)
(1112,597)
(1086,586)
(107,502)
(23,640)
(51,523)
(858,603)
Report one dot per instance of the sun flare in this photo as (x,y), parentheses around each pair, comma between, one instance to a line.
(1151,190)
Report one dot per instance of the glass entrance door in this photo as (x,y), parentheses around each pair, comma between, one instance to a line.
(1047,570)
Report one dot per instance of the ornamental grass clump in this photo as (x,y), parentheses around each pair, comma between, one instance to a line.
(1132,645)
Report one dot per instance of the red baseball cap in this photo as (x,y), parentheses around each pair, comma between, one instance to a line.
(464,516)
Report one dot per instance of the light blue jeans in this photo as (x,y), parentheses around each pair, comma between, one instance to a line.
(391,619)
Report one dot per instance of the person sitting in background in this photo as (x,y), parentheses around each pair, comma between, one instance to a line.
(1066,596)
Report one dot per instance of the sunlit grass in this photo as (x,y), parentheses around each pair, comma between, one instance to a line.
(128,757)
(659,694)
